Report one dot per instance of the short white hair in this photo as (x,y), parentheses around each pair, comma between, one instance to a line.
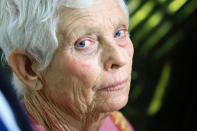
(31,25)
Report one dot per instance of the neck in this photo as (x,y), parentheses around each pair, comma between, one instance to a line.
(50,117)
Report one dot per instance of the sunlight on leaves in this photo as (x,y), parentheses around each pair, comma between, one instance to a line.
(141,14)
(133,5)
(159,33)
(156,102)
(153,21)
(175,5)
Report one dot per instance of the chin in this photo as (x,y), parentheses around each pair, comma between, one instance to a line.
(117,104)
(114,102)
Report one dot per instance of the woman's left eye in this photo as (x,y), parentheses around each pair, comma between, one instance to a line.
(119,34)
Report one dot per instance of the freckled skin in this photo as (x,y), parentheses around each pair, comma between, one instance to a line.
(75,76)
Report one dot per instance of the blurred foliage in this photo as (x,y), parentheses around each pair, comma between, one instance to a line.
(164,34)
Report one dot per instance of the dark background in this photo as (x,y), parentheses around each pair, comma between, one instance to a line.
(163,89)
(163,93)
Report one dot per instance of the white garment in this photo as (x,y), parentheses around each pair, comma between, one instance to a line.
(6,114)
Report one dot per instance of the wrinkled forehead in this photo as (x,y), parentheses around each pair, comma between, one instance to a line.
(97,13)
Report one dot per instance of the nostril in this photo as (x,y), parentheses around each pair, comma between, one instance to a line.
(114,66)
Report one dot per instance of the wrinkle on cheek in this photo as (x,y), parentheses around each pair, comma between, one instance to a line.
(72,99)
(85,74)
(79,98)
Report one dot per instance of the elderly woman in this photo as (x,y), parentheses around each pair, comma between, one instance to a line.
(72,61)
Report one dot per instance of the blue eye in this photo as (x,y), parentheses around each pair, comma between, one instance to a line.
(81,44)
(118,34)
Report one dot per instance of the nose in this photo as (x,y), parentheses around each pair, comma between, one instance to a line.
(114,57)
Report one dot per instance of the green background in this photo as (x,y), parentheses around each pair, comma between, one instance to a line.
(163,95)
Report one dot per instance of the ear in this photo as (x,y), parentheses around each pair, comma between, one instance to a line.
(25,68)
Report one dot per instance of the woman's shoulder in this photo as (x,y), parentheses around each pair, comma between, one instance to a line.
(120,121)
(116,122)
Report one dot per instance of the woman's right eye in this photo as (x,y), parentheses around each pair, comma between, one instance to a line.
(83,44)
(86,44)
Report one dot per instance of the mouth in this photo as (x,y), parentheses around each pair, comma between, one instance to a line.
(115,86)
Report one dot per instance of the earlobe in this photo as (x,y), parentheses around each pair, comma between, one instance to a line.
(21,63)
(38,85)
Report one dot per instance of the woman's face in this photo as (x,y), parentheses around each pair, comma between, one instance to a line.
(91,69)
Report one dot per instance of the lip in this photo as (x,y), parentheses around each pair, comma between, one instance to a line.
(115,86)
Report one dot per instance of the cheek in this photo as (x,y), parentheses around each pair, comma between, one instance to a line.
(83,70)
(130,49)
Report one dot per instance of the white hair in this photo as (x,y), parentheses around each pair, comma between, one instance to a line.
(31,25)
